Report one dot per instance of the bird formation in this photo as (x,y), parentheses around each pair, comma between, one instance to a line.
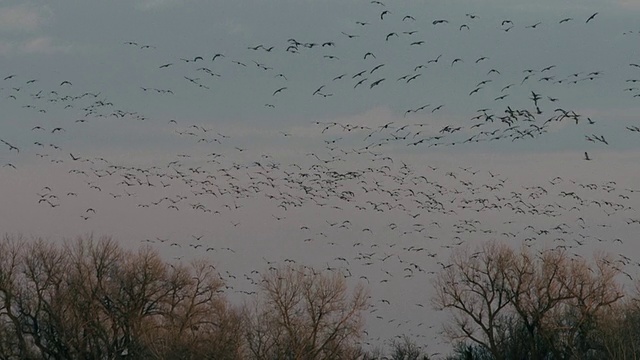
(362,197)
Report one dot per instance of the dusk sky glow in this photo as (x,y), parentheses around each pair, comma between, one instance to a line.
(365,137)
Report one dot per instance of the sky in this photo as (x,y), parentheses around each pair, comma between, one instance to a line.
(371,138)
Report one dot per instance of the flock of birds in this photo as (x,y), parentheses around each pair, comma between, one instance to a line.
(359,202)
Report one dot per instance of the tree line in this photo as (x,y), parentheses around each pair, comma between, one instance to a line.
(92,299)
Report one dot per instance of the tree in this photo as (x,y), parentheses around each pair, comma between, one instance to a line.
(619,330)
(304,314)
(474,286)
(406,349)
(93,300)
(516,304)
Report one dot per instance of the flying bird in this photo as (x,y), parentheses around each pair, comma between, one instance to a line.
(279,90)
(360,82)
(375,83)
(591,18)
(390,35)
(349,35)
(11,147)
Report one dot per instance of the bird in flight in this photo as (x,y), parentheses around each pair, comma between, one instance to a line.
(591,18)
(11,147)
(279,90)
(375,83)
(586,156)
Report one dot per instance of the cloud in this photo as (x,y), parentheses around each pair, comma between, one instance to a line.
(629,4)
(157,4)
(43,45)
(5,47)
(23,17)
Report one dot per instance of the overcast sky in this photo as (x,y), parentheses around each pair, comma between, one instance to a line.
(357,136)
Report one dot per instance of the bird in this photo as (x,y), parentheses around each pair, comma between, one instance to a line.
(360,82)
(390,35)
(376,68)
(586,156)
(434,60)
(279,90)
(591,18)
(375,83)
(11,147)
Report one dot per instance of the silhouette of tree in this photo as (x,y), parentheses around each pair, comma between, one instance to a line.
(94,300)
(303,314)
(516,304)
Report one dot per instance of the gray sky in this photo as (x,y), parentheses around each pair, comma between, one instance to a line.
(468,121)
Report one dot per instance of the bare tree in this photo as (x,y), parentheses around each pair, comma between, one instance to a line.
(406,349)
(93,300)
(528,306)
(474,286)
(592,290)
(619,329)
(303,314)
(537,289)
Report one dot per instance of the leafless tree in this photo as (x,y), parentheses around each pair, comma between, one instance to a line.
(94,300)
(304,314)
(474,286)
(515,303)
